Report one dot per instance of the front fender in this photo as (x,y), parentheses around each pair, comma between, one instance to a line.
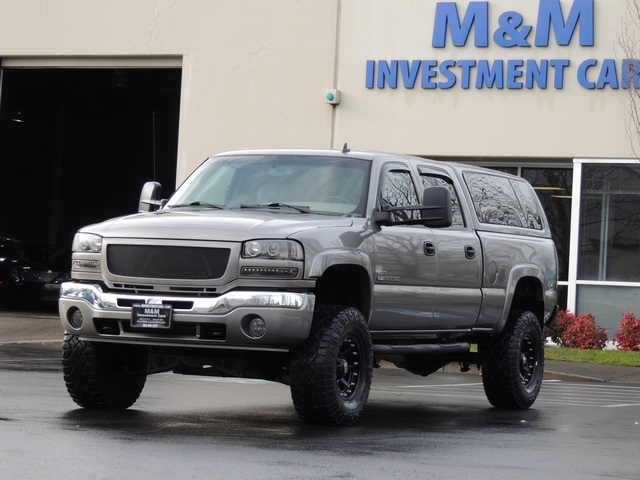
(339,256)
(346,260)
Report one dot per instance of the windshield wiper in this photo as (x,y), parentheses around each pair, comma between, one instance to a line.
(199,204)
(299,208)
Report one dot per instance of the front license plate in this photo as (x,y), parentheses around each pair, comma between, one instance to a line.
(151,315)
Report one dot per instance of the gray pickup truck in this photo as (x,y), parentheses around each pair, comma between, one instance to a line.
(309,267)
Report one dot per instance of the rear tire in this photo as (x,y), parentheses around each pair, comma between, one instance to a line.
(103,376)
(513,363)
(331,371)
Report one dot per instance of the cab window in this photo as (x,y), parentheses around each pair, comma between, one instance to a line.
(398,190)
(430,180)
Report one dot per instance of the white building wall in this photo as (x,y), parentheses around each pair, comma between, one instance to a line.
(255,73)
(474,122)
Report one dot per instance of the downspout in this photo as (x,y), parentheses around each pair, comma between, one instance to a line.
(336,62)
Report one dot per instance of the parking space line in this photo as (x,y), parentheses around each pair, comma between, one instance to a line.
(554,392)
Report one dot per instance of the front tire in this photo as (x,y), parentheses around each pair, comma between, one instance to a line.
(513,363)
(103,376)
(331,371)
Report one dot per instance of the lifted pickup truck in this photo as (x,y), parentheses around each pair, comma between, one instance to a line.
(308,267)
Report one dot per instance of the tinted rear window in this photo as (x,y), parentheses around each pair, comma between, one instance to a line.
(504,201)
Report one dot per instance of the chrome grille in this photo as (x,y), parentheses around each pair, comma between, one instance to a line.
(170,262)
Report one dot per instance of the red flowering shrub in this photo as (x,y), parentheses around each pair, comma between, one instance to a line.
(628,335)
(584,333)
(556,331)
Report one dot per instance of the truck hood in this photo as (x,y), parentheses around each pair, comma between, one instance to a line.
(215,225)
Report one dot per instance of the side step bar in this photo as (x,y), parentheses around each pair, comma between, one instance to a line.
(422,349)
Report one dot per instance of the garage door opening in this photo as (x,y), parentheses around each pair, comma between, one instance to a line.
(76,146)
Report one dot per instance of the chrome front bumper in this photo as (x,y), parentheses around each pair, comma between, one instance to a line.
(287,315)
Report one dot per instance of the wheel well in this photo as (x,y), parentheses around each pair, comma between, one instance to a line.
(346,285)
(528,296)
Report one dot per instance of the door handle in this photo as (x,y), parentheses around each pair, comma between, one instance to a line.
(429,249)
(469,252)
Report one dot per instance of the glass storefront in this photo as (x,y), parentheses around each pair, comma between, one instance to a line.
(599,247)
(607,244)
(608,303)
(554,188)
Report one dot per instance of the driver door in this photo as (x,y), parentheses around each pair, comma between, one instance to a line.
(405,261)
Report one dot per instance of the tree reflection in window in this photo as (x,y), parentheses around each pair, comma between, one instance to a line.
(437,181)
(398,191)
(500,200)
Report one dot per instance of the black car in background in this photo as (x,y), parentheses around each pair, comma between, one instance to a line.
(32,273)
(10,251)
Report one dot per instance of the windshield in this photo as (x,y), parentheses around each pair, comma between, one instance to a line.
(292,183)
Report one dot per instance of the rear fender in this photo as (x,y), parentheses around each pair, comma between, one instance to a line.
(534,280)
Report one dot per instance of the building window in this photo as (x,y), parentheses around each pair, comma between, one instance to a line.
(605,262)
(609,242)
(554,188)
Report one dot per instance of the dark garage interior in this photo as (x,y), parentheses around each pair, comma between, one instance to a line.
(77,144)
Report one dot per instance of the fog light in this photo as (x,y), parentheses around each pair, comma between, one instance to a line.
(257,327)
(75,318)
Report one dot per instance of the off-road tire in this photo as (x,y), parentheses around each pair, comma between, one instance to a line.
(513,363)
(331,371)
(103,376)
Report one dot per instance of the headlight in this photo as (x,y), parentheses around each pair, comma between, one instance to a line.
(280,249)
(87,242)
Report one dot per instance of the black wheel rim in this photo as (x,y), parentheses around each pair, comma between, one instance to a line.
(348,367)
(529,360)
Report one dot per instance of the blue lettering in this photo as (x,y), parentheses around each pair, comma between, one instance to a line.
(409,75)
(537,73)
(447,19)
(582,73)
(371,72)
(490,76)
(428,73)
(448,74)
(558,66)
(550,14)
(608,75)
(511,32)
(466,66)
(388,73)
(514,72)
(630,73)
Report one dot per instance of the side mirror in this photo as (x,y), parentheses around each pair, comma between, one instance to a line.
(150,197)
(436,211)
